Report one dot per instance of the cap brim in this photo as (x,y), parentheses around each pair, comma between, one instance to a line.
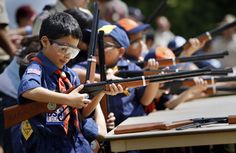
(139,28)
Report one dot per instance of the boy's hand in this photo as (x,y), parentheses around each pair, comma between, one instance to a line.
(152,64)
(198,89)
(114,89)
(195,45)
(78,100)
(111,121)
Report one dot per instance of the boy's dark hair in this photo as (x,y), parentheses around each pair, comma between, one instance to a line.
(84,19)
(60,25)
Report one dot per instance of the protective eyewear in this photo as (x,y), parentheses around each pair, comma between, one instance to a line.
(66,49)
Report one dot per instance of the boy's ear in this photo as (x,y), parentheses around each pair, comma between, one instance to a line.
(121,51)
(44,41)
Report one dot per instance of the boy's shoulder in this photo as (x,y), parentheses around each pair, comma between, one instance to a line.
(34,68)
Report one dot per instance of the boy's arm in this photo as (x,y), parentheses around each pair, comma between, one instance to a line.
(149,94)
(73,99)
(151,89)
(113,90)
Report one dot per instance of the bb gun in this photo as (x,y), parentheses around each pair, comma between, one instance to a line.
(178,125)
(175,86)
(206,36)
(105,100)
(91,67)
(177,60)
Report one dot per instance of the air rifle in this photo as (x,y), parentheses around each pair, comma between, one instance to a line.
(190,82)
(195,58)
(18,113)
(179,125)
(105,100)
(91,68)
(205,37)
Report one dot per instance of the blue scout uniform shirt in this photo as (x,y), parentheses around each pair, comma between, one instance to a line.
(124,106)
(43,75)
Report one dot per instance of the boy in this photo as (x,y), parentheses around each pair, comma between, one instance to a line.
(43,82)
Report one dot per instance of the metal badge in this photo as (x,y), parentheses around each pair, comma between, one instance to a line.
(51,106)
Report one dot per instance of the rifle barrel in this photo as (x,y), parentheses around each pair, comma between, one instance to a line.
(195,58)
(202,57)
(92,46)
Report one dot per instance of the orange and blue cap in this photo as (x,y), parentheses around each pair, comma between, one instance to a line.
(160,53)
(131,27)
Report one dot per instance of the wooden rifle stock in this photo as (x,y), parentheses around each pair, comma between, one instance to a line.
(123,129)
(21,112)
(205,37)
(15,114)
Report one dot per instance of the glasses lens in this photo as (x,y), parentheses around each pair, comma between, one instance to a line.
(67,50)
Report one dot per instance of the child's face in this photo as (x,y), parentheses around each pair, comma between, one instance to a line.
(60,51)
(113,52)
(136,45)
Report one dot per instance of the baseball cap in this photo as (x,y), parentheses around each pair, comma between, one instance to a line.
(176,42)
(135,13)
(160,53)
(117,34)
(130,26)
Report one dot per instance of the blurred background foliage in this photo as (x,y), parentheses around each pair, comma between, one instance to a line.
(188,18)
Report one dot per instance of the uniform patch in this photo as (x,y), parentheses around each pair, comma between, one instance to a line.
(26,129)
(33,71)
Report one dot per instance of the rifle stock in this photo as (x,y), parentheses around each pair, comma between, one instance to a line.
(123,129)
(21,112)
(17,113)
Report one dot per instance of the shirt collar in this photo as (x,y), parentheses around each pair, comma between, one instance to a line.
(48,65)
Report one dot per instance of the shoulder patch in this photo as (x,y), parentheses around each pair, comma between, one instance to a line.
(33,71)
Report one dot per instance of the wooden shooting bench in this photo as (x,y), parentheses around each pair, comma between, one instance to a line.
(207,135)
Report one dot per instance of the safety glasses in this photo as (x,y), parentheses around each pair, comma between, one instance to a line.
(66,49)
